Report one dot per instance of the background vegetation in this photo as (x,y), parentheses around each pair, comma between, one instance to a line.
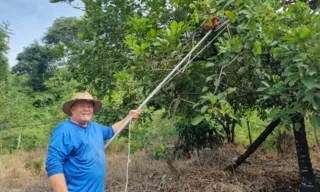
(258,74)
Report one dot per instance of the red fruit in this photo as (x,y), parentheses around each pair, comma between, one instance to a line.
(207,26)
(214,18)
(215,24)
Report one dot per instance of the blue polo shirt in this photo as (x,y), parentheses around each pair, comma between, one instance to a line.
(78,153)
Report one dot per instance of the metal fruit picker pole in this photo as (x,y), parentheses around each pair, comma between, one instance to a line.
(156,90)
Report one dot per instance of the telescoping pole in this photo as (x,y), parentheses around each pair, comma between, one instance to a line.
(156,90)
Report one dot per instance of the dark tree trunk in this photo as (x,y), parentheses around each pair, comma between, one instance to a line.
(308,182)
(249,132)
(252,148)
(227,129)
(228,133)
(233,131)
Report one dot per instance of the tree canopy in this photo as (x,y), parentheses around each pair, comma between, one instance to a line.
(4,65)
(263,60)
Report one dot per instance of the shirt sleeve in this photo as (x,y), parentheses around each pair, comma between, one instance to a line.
(107,132)
(58,151)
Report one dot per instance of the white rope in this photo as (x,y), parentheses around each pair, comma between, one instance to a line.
(190,60)
(128,160)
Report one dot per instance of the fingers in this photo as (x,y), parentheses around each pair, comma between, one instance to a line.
(135,114)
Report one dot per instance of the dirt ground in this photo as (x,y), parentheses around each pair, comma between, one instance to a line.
(264,171)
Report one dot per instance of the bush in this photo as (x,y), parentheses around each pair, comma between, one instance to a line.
(191,137)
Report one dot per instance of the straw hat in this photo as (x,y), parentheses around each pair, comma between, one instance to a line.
(66,107)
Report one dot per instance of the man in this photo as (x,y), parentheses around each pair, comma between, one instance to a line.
(76,160)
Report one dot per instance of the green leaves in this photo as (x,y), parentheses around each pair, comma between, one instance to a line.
(4,65)
(292,78)
(252,25)
(308,81)
(176,27)
(204,89)
(140,24)
(1,100)
(175,31)
(64,30)
(258,37)
(297,126)
(132,42)
(231,90)
(257,47)
(210,65)
(197,120)
(304,32)
(298,35)
(265,83)
(315,121)
(231,16)
(204,109)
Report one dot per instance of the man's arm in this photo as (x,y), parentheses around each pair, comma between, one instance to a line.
(133,113)
(58,183)
(59,148)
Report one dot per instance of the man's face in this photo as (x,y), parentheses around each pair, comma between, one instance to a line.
(82,111)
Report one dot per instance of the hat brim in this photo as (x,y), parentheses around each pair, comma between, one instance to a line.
(66,107)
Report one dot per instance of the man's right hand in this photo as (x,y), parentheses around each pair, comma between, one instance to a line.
(58,183)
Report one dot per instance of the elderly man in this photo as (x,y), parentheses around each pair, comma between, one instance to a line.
(76,160)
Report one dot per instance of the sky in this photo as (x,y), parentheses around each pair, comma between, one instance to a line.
(29,19)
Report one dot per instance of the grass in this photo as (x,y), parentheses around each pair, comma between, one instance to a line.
(204,172)
(266,171)
(20,171)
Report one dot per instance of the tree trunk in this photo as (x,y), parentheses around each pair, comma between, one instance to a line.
(233,131)
(249,132)
(308,182)
(175,173)
(227,129)
(252,148)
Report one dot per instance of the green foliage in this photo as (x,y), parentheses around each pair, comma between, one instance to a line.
(4,65)
(202,135)
(315,121)
(32,115)
(63,30)
(249,66)
(266,61)
(37,62)
(15,106)
(157,141)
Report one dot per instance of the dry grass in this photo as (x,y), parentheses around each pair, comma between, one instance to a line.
(204,173)
(24,172)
